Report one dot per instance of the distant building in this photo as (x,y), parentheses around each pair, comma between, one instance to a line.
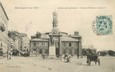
(3,28)
(11,44)
(39,45)
(14,35)
(24,42)
(21,41)
(61,41)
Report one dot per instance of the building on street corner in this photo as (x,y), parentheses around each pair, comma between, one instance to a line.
(39,44)
(3,28)
(21,40)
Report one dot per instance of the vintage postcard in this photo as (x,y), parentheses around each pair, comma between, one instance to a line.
(57,36)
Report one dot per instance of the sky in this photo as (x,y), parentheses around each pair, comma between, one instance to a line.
(30,16)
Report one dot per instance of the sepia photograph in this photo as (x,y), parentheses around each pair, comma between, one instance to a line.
(57,36)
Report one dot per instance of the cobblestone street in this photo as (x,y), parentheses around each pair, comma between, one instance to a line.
(37,64)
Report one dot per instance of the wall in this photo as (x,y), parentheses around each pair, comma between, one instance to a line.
(39,47)
(3,35)
(25,42)
(69,47)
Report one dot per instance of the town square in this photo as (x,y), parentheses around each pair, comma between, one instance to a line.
(37,64)
(57,36)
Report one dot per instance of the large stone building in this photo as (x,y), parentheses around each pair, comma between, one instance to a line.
(14,35)
(3,28)
(39,44)
(56,42)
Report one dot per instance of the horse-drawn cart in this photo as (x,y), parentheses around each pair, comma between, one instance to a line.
(93,58)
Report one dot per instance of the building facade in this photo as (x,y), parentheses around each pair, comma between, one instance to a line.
(3,29)
(21,40)
(24,42)
(10,44)
(39,44)
(16,38)
(61,42)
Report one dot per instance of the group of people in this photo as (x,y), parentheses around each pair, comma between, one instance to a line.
(90,54)
(66,58)
(8,53)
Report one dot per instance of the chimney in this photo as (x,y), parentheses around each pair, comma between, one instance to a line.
(76,33)
(38,35)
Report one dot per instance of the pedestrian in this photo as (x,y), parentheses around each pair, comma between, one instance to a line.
(1,52)
(9,53)
(67,58)
(43,55)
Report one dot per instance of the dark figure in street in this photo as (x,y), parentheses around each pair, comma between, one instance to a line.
(43,55)
(92,57)
(1,52)
(66,58)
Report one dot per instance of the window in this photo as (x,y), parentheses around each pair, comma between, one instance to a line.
(69,44)
(34,44)
(43,44)
(1,44)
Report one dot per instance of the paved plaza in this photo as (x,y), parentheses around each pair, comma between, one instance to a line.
(37,64)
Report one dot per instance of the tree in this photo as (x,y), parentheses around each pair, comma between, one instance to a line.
(111,53)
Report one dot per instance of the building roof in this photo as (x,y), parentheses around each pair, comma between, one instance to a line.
(63,33)
(75,35)
(34,36)
(22,35)
(45,36)
(38,39)
(66,38)
(4,10)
